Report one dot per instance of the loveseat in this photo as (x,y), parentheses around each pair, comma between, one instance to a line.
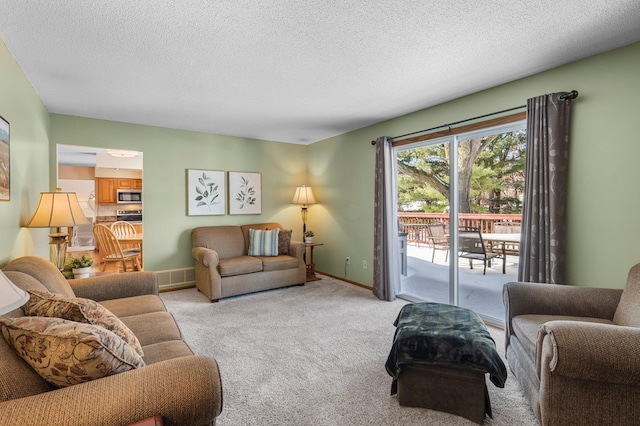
(576,350)
(185,389)
(223,267)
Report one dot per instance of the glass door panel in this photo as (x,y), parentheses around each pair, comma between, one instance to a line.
(423,219)
(459,210)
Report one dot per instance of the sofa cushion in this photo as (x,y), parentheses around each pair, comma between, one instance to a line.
(227,241)
(41,304)
(65,352)
(278,263)
(134,305)
(239,265)
(263,243)
(284,239)
(526,327)
(628,311)
(163,351)
(153,327)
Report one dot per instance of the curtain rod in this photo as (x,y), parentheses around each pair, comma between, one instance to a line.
(569,95)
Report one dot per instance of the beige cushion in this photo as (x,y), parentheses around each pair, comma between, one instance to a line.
(628,311)
(239,265)
(227,241)
(66,353)
(77,309)
(134,305)
(526,326)
(278,263)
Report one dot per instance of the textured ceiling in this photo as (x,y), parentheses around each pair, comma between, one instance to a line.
(293,71)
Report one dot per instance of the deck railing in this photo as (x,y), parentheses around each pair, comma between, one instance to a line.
(414,224)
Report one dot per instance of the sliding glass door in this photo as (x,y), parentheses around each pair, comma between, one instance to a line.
(460,205)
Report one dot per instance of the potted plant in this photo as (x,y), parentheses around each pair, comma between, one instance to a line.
(308,237)
(81,266)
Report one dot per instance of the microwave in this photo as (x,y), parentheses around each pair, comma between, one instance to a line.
(129,196)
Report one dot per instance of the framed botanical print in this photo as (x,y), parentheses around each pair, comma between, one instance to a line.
(245,193)
(5,159)
(206,192)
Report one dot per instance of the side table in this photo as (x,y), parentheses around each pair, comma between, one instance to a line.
(311,267)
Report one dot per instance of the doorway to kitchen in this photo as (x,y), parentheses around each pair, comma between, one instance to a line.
(97,175)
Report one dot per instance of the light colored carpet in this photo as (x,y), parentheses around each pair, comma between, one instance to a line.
(314,355)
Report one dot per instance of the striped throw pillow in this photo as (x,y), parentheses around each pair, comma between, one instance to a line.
(263,243)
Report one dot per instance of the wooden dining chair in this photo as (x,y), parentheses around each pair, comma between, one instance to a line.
(111,250)
(123,229)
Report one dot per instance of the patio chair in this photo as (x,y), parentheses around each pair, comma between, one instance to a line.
(472,247)
(438,239)
(506,227)
(111,251)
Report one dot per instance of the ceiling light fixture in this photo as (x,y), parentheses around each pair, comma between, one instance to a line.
(122,153)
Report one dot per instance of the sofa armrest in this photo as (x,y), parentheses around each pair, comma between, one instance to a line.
(552,299)
(297,249)
(207,257)
(116,286)
(590,351)
(195,397)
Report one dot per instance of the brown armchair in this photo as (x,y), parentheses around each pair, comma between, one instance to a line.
(576,350)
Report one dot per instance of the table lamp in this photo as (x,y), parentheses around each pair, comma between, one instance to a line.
(55,210)
(303,196)
(11,297)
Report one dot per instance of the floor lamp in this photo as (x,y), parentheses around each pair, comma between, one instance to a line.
(55,210)
(303,196)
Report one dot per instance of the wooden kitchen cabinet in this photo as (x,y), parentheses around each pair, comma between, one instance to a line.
(106,190)
(122,183)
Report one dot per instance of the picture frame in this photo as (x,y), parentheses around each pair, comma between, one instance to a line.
(245,193)
(206,192)
(5,161)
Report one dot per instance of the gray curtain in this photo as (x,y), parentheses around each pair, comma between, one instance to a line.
(386,251)
(542,251)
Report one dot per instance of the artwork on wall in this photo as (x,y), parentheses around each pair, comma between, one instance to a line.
(245,193)
(5,175)
(205,192)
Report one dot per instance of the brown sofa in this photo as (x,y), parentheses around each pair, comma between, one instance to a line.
(223,268)
(185,389)
(576,350)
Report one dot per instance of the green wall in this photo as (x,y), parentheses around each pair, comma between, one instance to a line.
(604,194)
(167,154)
(29,153)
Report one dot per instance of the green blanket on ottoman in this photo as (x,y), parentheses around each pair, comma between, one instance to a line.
(439,334)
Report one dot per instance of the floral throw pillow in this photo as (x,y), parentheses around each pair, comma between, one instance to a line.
(284,239)
(66,353)
(44,304)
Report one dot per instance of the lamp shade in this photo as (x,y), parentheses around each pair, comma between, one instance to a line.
(57,209)
(11,297)
(303,195)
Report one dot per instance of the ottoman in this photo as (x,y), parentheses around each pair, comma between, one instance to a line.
(439,358)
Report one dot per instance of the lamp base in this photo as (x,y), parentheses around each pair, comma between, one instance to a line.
(58,249)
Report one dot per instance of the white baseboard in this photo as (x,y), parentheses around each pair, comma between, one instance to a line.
(175,278)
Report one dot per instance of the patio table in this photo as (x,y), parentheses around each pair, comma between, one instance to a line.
(505,239)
